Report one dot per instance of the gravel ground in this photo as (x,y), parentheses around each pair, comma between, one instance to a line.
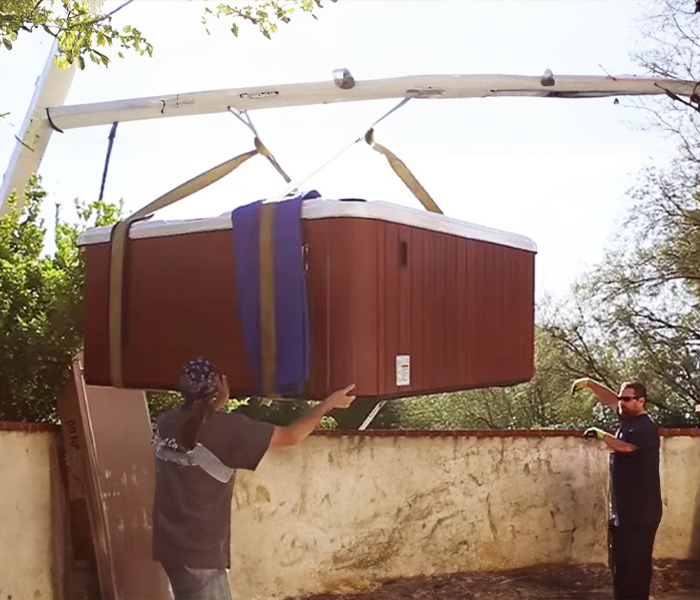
(673,580)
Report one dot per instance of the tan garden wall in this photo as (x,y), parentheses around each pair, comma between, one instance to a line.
(345,510)
(340,511)
(26,556)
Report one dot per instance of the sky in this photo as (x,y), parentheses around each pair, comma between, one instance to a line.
(554,170)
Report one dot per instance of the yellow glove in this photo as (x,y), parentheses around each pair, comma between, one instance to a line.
(594,432)
(580,384)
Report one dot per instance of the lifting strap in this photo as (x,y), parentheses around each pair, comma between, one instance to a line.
(404,173)
(399,166)
(120,234)
(268,329)
(272,295)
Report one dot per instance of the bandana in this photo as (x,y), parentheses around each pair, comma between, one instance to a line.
(198,380)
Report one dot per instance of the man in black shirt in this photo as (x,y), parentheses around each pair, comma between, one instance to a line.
(635,488)
(198,449)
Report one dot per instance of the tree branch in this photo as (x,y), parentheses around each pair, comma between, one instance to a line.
(98,19)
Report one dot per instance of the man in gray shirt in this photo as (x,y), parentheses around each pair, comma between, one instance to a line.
(197,449)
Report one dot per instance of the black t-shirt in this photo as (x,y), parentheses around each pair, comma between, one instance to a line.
(192,504)
(634,476)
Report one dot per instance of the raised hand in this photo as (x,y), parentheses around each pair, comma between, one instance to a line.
(580,384)
(342,398)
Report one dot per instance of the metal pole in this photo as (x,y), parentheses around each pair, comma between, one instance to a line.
(51,89)
(371,415)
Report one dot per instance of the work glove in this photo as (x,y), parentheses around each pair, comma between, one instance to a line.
(594,432)
(580,384)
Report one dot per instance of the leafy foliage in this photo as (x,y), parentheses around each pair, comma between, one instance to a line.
(159,402)
(671,33)
(81,32)
(279,413)
(638,314)
(40,303)
(643,303)
(84,32)
(264,14)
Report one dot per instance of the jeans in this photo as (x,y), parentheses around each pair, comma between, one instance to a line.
(198,584)
(629,556)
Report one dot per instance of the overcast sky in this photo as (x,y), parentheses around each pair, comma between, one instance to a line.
(554,170)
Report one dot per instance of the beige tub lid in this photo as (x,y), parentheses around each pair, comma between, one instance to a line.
(321,208)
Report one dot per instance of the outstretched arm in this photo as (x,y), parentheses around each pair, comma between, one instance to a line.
(299,430)
(603,393)
(610,440)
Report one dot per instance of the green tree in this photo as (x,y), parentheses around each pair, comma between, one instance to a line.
(161,401)
(671,38)
(84,31)
(280,412)
(40,303)
(79,26)
(637,316)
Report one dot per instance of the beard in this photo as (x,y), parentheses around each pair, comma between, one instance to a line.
(623,413)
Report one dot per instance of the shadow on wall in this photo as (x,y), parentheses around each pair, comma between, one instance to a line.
(694,553)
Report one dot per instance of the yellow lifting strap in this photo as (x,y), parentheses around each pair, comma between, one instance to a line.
(405,174)
(120,233)
(268,330)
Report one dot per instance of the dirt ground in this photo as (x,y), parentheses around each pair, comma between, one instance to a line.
(673,580)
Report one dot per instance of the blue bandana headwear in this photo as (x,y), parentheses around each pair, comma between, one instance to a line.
(198,380)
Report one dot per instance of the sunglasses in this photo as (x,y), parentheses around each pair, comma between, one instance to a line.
(628,398)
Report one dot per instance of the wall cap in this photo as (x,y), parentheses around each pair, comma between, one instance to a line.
(482,433)
(28,427)
(479,433)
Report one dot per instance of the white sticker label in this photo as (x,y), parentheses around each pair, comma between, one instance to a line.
(403,369)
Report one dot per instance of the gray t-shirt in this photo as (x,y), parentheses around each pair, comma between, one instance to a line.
(192,504)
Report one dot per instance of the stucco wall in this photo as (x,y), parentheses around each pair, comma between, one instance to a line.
(337,512)
(340,511)
(679,532)
(26,562)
